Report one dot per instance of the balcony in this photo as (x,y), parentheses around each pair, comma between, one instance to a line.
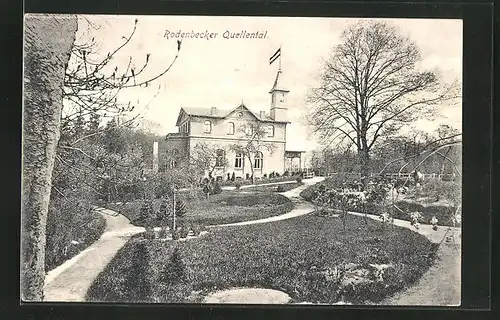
(177,135)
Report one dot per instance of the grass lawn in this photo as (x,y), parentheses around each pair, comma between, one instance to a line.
(226,207)
(290,255)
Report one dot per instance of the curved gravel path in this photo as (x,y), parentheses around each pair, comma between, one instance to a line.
(71,280)
(302,206)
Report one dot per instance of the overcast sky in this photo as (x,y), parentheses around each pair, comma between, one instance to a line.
(222,72)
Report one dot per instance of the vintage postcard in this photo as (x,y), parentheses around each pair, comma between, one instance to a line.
(242,160)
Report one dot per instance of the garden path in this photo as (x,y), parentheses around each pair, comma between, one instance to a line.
(302,206)
(71,280)
(440,285)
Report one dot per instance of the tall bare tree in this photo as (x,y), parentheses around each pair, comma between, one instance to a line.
(48,43)
(252,142)
(371,86)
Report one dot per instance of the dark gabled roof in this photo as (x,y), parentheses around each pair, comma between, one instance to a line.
(220,113)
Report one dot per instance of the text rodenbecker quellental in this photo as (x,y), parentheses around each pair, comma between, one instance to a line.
(243,34)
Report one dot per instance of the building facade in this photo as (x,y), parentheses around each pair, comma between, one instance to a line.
(226,132)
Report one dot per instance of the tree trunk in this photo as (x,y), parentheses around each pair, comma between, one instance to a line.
(48,42)
(364,161)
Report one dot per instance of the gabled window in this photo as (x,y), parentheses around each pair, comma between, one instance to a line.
(230,129)
(207,127)
(238,161)
(258,161)
(219,158)
(270,131)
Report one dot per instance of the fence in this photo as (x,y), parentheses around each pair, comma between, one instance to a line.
(441,176)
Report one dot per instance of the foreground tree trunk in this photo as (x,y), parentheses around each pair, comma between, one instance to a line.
(48,42)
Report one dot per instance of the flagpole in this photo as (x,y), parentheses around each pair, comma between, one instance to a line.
(280,58)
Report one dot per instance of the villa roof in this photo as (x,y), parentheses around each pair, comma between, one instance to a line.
(221,113)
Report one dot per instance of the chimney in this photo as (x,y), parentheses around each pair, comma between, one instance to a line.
(213,110)
(155,157)
(262,114)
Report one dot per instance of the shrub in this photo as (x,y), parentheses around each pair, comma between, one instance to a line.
(228,177)
(146,214)
(176,234)
(165,211)
(184,232)
(175,270)
(299,179)
(280,188)
(233,177)
(237,185)
(196,229)
(180,208)
(217,188)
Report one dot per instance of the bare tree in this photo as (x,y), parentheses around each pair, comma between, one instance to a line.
(45,61)
(371,86)
(251,143)
(66,86)
(92,84)
(207,157)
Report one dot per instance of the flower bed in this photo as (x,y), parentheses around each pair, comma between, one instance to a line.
(310,258)
(259,181)
(445,214)
(275,188)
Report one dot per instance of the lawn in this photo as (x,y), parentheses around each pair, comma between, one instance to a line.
(296,256)
(227,207)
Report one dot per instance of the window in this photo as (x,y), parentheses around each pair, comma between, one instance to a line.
(282,97)
(259,161)
(207,127)
(270,131)
(173,159)
(238,161)
(230,128)
(248,130)
(185,127)
(273,98)
(219,158)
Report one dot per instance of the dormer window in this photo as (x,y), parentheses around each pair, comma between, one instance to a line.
(207,127)
(282,97)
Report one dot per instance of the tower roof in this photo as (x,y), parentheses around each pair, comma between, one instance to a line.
(278,83)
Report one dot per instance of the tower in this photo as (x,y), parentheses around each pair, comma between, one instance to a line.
(278,99)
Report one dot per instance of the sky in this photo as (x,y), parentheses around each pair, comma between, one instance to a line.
(220,72)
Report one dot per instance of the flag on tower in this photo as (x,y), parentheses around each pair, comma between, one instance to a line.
(275,56)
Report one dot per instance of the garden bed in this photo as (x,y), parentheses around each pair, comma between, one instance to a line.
(297,256)
(275,188)
(227,207)
(259,181)
(442,209)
